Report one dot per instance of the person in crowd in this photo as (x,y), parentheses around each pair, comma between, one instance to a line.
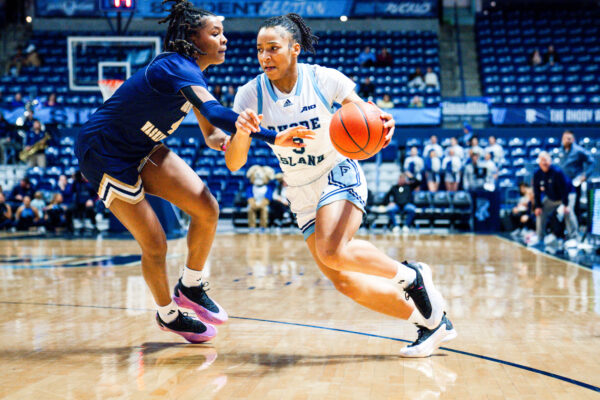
(279,206)
(431,79)
(451,166)
(218,93)
(17,101)
(399,202)
(535,58)
(551,181)
(456,148)
(51,102)
(433,145)
(6,214)
(416,102)
(384,58)
(474,146)
(476,174)
(83,201)
(229,96)
(416,79)
(20,191)
(577,163)
(466,135)
(10,141)
(367,89)
(496,150)
(55,214)
(521,218)
(385,102)
(39,203)
(551,57)
(15,63)
(413,168)
(26,216)
(366,58)
(433,167)
(32,58)
(36,135)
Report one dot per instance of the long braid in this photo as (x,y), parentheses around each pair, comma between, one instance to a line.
(296,26)
(183,19)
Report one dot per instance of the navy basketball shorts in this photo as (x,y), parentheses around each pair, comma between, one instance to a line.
(113,177)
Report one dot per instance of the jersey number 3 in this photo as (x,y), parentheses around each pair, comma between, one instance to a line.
(299,150)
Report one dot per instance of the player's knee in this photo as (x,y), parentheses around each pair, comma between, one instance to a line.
(155,247)
(206,209)
(330,255)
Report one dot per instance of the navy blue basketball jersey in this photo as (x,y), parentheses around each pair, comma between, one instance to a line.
(144,110)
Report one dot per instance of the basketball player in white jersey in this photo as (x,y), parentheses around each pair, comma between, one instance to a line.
(327,191)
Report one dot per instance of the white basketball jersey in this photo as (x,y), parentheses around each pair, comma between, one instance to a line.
(310,104)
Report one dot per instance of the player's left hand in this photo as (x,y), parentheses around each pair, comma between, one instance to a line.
(389,124)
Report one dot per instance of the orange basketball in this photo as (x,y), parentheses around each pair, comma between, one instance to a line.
(357,131)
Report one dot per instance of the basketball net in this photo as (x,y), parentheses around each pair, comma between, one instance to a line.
(109,86)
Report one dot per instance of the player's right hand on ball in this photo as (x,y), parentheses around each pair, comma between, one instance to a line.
(290,137)
(248,121)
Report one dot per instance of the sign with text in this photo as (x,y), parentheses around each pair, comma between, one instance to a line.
(544,116)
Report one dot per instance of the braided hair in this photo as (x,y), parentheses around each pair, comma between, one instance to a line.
(183,20)
(295,25)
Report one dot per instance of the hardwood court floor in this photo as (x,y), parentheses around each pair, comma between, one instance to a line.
(76,322)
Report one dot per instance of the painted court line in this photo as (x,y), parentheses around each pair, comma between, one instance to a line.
(465,353)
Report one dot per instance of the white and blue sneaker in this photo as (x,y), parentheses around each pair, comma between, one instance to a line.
(429,340)
(428,300)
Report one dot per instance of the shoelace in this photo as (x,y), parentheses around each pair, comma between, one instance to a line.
(420,334)
(205,287)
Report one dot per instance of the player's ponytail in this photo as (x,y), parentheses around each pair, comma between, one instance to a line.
(296,26)
(183,20)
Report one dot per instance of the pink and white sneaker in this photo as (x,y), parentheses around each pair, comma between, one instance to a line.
(191,329)
(196,299)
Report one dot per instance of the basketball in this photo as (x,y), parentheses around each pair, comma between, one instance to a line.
(357,130)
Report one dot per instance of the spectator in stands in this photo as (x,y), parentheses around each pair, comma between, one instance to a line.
(384,58)
(456,148)
(467,134)
(413,168)
(474,147)
(5,213)
(51,102)
(550,180)
(66,191)
(451,166)
(10,141)
(15,63)
(577,163)
(399,201)
(416,79)
(489,163)
(521,216)
(367,89)
(433,167)
(56,214)
(229,96)
(385,102)
(433,145)
(17,101)
(416,102)
(366,58)
(551,57)
(476,175)
(32,58)
(431,79)
(495,149)
(35,136)
(218,93)
(39,203)
(535,58)
(83,201)
(20,191)
(279,206)
(26,216)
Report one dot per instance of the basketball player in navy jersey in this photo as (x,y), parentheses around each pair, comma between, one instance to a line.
(327,192)
(120,152)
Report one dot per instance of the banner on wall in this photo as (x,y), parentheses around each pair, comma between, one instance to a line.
(544,116)
(396,9)
(255,8)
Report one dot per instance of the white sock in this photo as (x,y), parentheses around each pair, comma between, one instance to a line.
(169,312)
(191,277)
(404,276)
(416,318)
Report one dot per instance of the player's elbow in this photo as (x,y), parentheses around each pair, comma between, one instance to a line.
(233,163)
